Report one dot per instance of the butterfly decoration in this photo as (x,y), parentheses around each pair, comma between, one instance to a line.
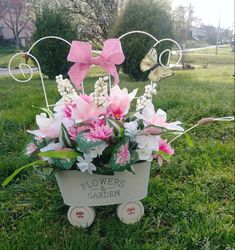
(151,63)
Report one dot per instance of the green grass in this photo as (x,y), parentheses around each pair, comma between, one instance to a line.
(6,53)
(210,58)
(190,201)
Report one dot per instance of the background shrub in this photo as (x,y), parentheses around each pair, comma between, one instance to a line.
(152,16)
(51,53)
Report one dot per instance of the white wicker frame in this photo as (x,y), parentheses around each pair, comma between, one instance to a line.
(28,53)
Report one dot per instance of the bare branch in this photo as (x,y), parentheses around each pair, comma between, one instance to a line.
(23,26)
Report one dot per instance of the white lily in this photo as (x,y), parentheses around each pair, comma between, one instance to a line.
(85,164)
(97,151)
(145,154)
(146,144)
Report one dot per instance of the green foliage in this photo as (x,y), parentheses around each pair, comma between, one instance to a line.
(64,138)
(51,53)
(85,144)
(116,162)
(147,15)
(60,154)
(64,163)
(17,171)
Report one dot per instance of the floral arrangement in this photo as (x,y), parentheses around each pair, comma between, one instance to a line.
(98,133)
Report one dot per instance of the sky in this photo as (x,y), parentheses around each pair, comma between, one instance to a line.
(209,11)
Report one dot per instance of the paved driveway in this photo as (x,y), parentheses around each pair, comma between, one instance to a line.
(5,72)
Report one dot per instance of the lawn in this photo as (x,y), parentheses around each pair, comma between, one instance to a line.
(6,53)
(210,58)
(190,201)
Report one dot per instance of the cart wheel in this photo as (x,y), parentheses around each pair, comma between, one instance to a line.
(81,216)
(130,212)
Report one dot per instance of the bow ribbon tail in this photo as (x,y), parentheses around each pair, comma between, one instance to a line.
(111,69)
(77,73)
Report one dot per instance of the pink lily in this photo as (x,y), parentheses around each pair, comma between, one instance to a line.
(49,127)
(85,109)
(165,148)
(149,117)
(119,102)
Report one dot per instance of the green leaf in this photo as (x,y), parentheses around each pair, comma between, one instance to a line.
(60,154)
(189,139)
(63,163)
(134,157)
(116,125)
(116,162)
(64,137)
(104,171)
(41,143)
(17,171)
(164,155)
(46,110)
(84,143)
(130,169)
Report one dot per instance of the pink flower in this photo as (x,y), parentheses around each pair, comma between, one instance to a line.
(165,148)
(31,147)
(85,109)
(98,132)
(149,117)
(73,131)
(62,109)
(119,102)
(48,127)
(89,125)
(86,98)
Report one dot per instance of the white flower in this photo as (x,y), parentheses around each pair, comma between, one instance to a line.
(51,146)
(133,94)
(144,154)
(85,164)
(131,128)
(150,90)
(146,144)
(101,91)
(65,88)
(97,151)
(149,142)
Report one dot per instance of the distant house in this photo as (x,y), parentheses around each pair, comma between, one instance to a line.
(196,33)
(6,32)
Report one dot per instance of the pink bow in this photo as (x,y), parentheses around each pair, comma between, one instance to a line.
(81,54)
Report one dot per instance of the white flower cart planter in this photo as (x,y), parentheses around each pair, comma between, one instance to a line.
(83,191)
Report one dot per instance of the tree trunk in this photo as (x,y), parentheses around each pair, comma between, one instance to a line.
(17,42)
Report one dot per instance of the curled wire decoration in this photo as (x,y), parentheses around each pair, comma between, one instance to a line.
(31,72)
(170,52)
(22,66)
